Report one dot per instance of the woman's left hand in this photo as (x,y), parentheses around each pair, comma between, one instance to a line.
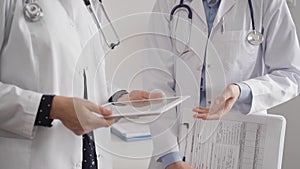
(221,106)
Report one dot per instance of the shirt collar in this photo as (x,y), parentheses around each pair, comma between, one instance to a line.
(210,4)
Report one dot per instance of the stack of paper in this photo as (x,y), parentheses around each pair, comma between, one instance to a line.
(235,142)
(129,131)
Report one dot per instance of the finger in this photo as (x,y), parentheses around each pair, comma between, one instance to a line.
(231,91)
(220,100)
(103,122)
(138,95)
(104,111)
(222,109)
(110,121)
(200,116)
(144,94)
(156,95)
(92,107)
(117,119)
(228,105)
(141,104)
(201,110)
(215,116)
(217,108)
(227,93)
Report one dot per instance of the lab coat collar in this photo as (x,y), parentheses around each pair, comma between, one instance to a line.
(198,9)
(225,6)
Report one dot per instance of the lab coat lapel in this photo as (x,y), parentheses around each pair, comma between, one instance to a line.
(198,9)
(225,6)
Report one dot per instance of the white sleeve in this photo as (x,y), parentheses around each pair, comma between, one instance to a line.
(281,56)
(18,107)
(159,75)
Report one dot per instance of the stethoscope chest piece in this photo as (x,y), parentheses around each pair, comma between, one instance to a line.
(255,38)
(33,12)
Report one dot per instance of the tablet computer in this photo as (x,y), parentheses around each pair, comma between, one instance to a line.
(146,107)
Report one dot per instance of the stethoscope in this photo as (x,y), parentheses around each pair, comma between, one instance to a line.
(185,8)
(33,12)
(254,37)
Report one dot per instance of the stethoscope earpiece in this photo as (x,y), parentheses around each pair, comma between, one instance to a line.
(33,12)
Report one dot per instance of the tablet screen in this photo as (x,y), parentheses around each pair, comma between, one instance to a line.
(146,107)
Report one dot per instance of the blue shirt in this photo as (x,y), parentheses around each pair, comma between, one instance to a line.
(211,10)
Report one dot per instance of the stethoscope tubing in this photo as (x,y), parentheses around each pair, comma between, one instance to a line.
(182,5)
(252,14)
(253,38)
(33,12)
(111,45)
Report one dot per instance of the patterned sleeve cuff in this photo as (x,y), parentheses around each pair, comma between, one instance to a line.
(170,158)
(43,115)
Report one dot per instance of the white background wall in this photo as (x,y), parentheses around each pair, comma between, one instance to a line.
(130,25)
(291,110)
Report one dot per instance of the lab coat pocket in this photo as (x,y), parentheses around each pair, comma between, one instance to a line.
(236,53)
(104,160)
(14,147)
(100,160)
(248,56)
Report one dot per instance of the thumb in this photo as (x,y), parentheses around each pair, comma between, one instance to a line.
(104,111)
(226,94)
(145,94)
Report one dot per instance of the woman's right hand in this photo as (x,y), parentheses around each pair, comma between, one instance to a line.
(77,114)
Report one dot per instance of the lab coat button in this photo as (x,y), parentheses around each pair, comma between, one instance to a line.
(99,156)
(209,102)
(78,165)
(72,24)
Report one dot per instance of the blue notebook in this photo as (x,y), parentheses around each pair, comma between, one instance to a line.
(129,131)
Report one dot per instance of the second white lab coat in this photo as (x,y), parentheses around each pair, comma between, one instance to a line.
(272,70)
(44,57)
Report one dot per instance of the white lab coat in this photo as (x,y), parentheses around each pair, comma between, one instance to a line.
(272,70)
(44,58)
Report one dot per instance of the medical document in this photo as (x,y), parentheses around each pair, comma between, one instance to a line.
(234,144)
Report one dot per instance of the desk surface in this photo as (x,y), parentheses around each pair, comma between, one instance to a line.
(129,155)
